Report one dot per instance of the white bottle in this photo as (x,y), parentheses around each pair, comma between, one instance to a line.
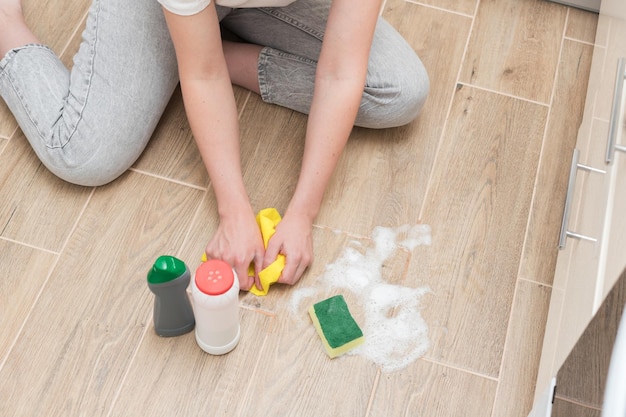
(215,292)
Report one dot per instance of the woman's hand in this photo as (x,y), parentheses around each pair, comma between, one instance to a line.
(238,242)
(294,240)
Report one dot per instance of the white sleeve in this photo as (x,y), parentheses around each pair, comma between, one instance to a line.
(185,7)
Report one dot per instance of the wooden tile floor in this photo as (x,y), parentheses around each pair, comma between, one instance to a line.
(485,166)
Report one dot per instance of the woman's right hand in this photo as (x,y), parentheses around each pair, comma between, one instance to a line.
(238,242)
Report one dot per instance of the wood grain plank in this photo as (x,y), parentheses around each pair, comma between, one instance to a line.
(478,208)
(505,54)
(295,377)
(23,271)
(430,389)
(174,377)
(89,320)
(582,25)
(520,363)
(36,207)
(541,246)
(8,124)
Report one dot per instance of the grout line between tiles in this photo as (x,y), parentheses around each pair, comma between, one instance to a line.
(191,225)
(161,177)
(373,394)
(28,245)
(507,341)
(245,398)
(532,281)
(578,403)
(578,41)
(4,145)
(9,137)
(122,381)
(430,6)
(458,368)
(244,105)
(500,93)
(343,232)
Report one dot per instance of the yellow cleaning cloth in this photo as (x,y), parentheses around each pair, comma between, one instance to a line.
(267,219)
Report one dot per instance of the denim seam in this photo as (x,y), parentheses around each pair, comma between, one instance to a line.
(278,13)
(93,47)
(4,63)
(261,75)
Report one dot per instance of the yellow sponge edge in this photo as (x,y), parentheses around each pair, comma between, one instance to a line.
(336,326)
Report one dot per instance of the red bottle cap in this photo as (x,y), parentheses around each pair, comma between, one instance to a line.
(214,277)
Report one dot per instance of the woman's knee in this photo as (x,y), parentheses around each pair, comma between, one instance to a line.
(90,173)
(92,161)
(398,99)
(397,82)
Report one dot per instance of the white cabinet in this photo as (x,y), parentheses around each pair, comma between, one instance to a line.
(593,252)
(593,5)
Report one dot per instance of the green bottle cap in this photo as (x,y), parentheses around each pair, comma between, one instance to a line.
(166,268)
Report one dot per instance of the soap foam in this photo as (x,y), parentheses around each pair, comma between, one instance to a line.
(395,333)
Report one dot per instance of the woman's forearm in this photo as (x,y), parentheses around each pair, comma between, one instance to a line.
(330,123)
(210,104)
(212,115)
(339,83)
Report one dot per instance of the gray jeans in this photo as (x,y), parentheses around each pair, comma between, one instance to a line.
(90,124)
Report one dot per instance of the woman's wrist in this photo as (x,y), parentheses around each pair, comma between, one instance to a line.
(235,209)
(303,208)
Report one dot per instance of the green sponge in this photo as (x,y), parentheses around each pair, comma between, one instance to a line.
(336,326)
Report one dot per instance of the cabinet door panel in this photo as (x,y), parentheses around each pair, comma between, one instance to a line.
(615,226)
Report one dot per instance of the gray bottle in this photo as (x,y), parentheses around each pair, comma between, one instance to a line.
(168,280)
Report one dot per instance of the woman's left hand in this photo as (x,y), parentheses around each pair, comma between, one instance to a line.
(293,238)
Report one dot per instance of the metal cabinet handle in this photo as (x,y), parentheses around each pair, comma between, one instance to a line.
(568,200)
(611,145)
